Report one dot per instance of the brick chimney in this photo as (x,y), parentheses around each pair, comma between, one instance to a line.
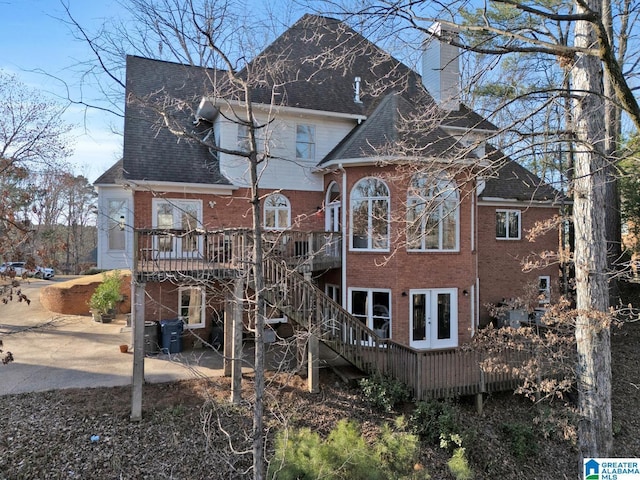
(441,67)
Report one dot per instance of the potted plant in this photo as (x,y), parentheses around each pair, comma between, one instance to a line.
(105,298)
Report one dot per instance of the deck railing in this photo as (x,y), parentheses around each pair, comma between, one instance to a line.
(163,252)
(224,253)
(429,374)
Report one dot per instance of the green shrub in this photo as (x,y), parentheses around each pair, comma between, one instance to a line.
(107,294)
(384,392)
(432,419)
(521,438)
(458,463)
(302,454)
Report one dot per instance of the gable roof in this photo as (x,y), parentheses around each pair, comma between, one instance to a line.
(113,175)
(511,181)
(312,65)
(396,127)
(151,151)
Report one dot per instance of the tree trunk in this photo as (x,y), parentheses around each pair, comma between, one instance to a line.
(592,331)
(612,200)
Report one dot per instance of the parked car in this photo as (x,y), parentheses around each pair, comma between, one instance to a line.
(20,269)
(43,272)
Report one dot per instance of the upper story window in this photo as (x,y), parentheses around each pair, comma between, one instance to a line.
(116,221)
(277,212)
(243,138)
(432,214)
(306,142)
(370,215)
(185,215)
(508,224)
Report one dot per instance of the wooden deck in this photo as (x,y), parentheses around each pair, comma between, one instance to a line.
(168,254)
(174,255)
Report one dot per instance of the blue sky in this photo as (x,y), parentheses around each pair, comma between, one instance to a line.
(37,46)
(33,39)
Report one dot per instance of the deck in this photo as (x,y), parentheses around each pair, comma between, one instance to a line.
(169,254)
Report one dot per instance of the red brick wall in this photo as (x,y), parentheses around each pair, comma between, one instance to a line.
(235,211)
(500,262)
(402,271)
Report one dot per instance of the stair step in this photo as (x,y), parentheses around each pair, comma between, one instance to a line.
(348,373)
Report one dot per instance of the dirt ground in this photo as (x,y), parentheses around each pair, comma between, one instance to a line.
(189,431)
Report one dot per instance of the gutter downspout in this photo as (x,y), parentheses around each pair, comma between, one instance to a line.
(343,225)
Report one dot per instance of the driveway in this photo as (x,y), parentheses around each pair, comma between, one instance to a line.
(54,351)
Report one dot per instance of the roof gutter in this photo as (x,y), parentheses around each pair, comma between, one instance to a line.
(211,104)
(179,187)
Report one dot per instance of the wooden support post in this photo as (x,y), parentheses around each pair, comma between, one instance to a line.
(137,325)
(480,396)
(313,367)
(236,344)
(229,312)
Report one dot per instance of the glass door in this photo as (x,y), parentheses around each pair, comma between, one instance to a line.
(433,318)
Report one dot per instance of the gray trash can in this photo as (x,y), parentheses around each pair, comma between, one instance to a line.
(151,337)
(171,331)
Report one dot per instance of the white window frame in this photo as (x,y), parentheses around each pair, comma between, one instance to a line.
(370,314)
(243,138)
(432,306)
(507,235)
(381,243)
(203,304)
(278,211)
(178,205)
(114,223)
(444,203)
(544,290)
(308,141)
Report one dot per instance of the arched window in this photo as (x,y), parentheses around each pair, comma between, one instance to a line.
(370,215)
(277,212)
(432,214)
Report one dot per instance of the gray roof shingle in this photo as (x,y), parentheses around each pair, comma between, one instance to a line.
(511,181)
(151,151)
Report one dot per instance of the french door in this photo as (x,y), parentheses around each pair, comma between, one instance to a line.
(433,318)
(183,215)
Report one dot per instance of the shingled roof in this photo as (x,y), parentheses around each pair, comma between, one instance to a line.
(511,181)
(314,64)
(151,151)
(396,127)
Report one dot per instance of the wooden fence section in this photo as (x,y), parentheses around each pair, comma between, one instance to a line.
(429,374)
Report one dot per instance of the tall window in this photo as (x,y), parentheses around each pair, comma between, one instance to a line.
(116,220)
(182,215)
(432,214)
(544,290)
(373,308)
(191,305)
(305,142)
(370,215)
(508,224)
(243,138)
(277,212)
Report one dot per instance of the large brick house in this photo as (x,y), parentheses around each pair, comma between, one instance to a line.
(424,221)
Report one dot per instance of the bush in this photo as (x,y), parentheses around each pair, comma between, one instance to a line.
(521,438)
(302,454)
(107,295)
(433,419)
(384,392)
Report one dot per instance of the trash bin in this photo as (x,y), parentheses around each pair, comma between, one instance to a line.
(171,331)
(151,337)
